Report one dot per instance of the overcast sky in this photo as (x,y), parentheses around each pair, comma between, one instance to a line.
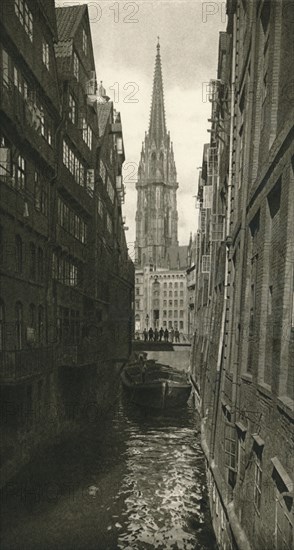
(124,36)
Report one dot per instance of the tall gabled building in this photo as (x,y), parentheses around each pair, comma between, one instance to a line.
(66,281)
(159,258)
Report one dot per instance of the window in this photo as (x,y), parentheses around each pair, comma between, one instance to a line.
(176,303)
(24,16)
(109,224)
(2,326)
(76,66)
(181,284)
(73,164)
(40,323)
(71,221)
(164,285)
(181,313)
(100,207)
(284,525)
(181,302)
(230,447)
(32,266)
(72,109)
(45,54)
(170,313)
(181,293)
(19,173)
(87,133)
(40,265)
(164,313)
(85,42)
(32,315)
(257,483)
(170,285)
(110,190)
(175,313)
(102,172)
(18,325)
(181,325)
(164,302)
(176,294)
(5,68)
(170,293)
(40,195)
(170,302)
(5,160)
(18,254)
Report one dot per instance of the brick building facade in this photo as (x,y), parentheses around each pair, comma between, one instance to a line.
(66,279)
(243,350)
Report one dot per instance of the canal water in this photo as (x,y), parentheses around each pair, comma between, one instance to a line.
(134,480)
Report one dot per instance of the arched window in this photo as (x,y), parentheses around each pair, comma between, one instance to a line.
(152,164)
(18,325)
(40,323)
(18,254)
(2,326)
(32,315)
(40,265)
(32,268)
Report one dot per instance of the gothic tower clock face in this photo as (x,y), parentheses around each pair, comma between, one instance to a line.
(155,230)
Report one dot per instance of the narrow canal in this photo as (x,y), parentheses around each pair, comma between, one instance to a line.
(135,480)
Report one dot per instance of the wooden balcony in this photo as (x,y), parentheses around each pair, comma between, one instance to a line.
(20,365)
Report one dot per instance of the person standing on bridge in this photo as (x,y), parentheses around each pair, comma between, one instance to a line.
(177,336)
(166,335)
(156,334)
(161,334)
(145,334)
(150,334)
(172,334)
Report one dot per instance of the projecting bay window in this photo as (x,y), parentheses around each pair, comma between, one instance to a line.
(65,270)
(71,222)
(24,16)
(73,164)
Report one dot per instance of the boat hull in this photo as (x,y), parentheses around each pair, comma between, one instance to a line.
(157,394)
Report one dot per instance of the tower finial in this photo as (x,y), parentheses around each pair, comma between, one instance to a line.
(158,45)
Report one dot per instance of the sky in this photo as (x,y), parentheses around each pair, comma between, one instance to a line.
(124,36)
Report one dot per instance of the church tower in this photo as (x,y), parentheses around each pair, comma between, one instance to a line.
(157,216)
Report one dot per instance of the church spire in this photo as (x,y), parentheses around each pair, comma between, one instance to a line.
(157,127)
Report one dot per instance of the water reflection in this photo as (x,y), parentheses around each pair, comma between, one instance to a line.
(136,482)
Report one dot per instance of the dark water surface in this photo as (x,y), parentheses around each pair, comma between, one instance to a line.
(135,481)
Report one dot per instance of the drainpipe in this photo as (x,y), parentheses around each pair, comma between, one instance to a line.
(220,367)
